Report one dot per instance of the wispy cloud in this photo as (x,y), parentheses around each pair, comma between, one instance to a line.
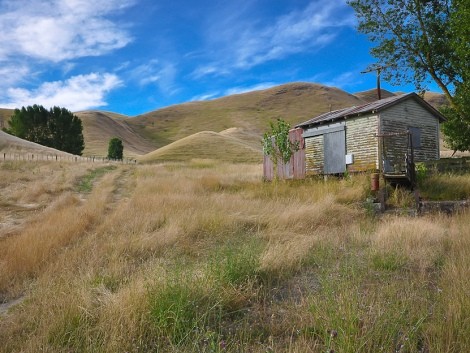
(245,89)
(77,93)
(57,30)
(205,96)
(213,70)
(161,74)
(342,80)
(11,74)
(243,44)
(233,90)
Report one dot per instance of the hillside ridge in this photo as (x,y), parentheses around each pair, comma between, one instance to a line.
(244,116)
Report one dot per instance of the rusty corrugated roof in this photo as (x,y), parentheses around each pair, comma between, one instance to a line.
(369,108)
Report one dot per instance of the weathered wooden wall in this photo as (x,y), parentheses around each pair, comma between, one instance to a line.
(314,155)
(362,143)
(295,168)
(407,114)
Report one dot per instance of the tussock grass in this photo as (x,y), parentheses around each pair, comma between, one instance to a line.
(207,257)
(445,187)
(448,331)
(421,241)
(60,224)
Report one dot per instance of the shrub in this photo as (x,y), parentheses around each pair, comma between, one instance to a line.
(115,149)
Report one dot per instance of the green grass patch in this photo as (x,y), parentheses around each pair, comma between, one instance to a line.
(236,265)
(182,310)
(73,332)
(445,187)
(85,184)
(388,261)
(193,308)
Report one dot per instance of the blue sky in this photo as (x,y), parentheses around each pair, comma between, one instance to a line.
(134,56)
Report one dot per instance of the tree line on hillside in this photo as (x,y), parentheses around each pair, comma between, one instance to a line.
(57,128)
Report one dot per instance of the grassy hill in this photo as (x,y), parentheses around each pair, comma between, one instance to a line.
(207,145)
(251,111)
(371,95)
(99,127)
(13,144)
(437,100)
(5,115)
(242,116)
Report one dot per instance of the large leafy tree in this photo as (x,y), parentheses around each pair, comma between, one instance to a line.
(57,128)
(423,40)
(68,131)
(457,129)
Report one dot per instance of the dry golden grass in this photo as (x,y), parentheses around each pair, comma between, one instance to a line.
(100,127)
(420,241)
(294,102)
(56,227)
(15,148)
(206,145)
(5,115)
(204,256)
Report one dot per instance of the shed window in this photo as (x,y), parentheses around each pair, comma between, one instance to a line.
(415,136)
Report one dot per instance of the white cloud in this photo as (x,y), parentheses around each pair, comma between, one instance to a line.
(245,89)
(205,96)
(233,90)
(161,74)
(77,93)
(243,44)
(11,74)
(57,30)
(342,80)
(209,70)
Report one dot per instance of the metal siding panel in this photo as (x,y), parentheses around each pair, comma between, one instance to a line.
(335,152)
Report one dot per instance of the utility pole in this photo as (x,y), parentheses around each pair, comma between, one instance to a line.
(377,68)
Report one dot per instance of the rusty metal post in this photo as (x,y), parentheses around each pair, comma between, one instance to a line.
(374,182)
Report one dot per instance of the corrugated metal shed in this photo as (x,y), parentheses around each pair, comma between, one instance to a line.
(367,109)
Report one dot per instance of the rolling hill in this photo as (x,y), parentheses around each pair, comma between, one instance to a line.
(371,95)
(13,144)
(100,127)
(206,145)
(5,115)
(237,118)
(251,111)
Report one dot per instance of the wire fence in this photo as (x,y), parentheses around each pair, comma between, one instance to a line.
(36,157)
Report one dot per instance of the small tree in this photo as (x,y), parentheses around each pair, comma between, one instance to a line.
(277,145)
(115,148)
